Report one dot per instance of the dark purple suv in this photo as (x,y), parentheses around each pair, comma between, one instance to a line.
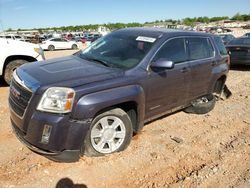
(91,103)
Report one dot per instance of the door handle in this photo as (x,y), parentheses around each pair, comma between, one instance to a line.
(185,69)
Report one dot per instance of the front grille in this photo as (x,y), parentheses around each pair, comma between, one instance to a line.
(19,98)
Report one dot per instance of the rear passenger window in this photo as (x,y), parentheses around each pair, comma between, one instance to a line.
(220,46)
(174,50)
(200,48)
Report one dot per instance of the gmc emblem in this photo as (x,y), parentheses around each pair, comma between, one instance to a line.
(14,92)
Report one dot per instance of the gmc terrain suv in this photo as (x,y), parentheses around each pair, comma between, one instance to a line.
(92,102)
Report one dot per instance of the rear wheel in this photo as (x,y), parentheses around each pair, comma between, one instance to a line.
(202,105)
(51,48)
(110,132)
(74,47)
(11,67)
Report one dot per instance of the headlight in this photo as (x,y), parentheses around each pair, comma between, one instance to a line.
(57,100)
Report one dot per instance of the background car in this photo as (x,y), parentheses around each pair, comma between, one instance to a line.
(90,37)
(239,51)
(226,38)
(13,37)
(16,53)
(246,26)
(79,39)
(95,37)
(58,43)
(83,40)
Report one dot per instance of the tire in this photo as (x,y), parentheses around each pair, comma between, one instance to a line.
(51,48)
(101,140)
(74,47)
(11,67)
(202,105)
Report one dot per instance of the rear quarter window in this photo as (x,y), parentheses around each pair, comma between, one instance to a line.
(220,46)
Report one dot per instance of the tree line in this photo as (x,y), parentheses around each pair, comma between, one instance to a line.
(205,19)
(112,26)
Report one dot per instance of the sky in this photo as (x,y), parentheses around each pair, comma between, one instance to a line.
(53,13)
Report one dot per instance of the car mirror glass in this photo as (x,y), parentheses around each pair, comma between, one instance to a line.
(163,63)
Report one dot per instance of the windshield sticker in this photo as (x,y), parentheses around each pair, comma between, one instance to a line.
(146,39)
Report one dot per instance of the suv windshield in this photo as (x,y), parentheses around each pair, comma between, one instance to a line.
(116,50)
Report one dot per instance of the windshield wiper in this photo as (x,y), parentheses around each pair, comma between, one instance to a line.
(99,61)
(95,60)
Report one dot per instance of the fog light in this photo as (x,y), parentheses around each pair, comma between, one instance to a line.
(46,134)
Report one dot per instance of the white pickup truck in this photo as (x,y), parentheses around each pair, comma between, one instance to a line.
(15,53)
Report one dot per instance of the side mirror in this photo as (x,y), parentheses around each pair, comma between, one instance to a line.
(163,64)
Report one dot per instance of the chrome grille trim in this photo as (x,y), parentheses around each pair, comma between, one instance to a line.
(20,82)
(18,103)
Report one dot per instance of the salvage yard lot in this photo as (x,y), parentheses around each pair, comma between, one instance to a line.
(211,150)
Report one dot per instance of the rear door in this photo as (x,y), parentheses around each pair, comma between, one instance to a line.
(202,61)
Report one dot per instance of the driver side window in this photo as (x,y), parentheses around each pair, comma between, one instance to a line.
(173,50)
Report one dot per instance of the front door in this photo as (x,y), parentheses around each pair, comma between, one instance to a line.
(168,88)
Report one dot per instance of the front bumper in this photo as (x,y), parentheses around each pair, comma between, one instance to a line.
(64,156)
(66,137)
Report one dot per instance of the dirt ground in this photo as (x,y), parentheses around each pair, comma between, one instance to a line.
(180,150)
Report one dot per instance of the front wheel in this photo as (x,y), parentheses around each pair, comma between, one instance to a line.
(110,132)
(11,67)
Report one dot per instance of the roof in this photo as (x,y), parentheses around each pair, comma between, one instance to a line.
(159,32)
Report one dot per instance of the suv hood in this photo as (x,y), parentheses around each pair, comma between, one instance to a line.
(70,71)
